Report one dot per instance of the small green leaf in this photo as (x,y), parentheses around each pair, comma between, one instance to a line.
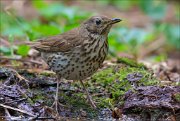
(23,50)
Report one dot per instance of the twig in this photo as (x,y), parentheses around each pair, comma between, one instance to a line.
(16,109)
(19,100)
(101,94)
(15,73)
(24,95)
(41,118)
(4,42)
(7,112)
(12,118)
(9,117)
(22,60)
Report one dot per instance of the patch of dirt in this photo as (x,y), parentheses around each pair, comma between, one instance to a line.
(153,103)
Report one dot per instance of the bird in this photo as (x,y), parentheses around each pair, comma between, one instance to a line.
(78,53)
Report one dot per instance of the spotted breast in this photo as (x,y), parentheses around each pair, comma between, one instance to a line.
(82,62)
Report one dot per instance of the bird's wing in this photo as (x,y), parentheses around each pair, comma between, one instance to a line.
(59,43)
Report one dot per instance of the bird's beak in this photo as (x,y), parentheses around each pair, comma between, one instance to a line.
(115,20)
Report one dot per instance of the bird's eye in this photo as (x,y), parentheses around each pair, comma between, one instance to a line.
(98,22)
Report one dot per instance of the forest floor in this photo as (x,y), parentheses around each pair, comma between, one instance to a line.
(122,90)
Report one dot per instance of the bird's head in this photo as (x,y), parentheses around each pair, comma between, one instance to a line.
(100,24)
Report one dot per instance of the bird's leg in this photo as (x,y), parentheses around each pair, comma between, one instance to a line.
(88,96)
(56,103)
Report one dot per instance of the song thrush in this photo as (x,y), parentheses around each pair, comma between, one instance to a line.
(78,53)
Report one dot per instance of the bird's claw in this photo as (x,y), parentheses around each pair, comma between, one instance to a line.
(93,105)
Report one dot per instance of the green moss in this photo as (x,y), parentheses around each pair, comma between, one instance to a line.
(104,102)
(114,82)
(39,94)
(48,73)
(78,102)
(130,62)
(177,96)
(176,84)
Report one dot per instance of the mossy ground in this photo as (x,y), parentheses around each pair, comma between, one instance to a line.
(113,82)
(107,88)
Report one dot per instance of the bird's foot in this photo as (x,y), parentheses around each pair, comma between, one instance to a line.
(57,106)
(50,112)
(88,96)
(93,105)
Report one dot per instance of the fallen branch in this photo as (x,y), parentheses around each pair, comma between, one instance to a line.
(19,100)
(16,109)
(41,118)
(12,118)
(7,112)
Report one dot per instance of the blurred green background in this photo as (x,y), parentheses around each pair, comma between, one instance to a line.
(150,28)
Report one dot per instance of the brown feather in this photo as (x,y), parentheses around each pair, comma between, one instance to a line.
(59,43)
